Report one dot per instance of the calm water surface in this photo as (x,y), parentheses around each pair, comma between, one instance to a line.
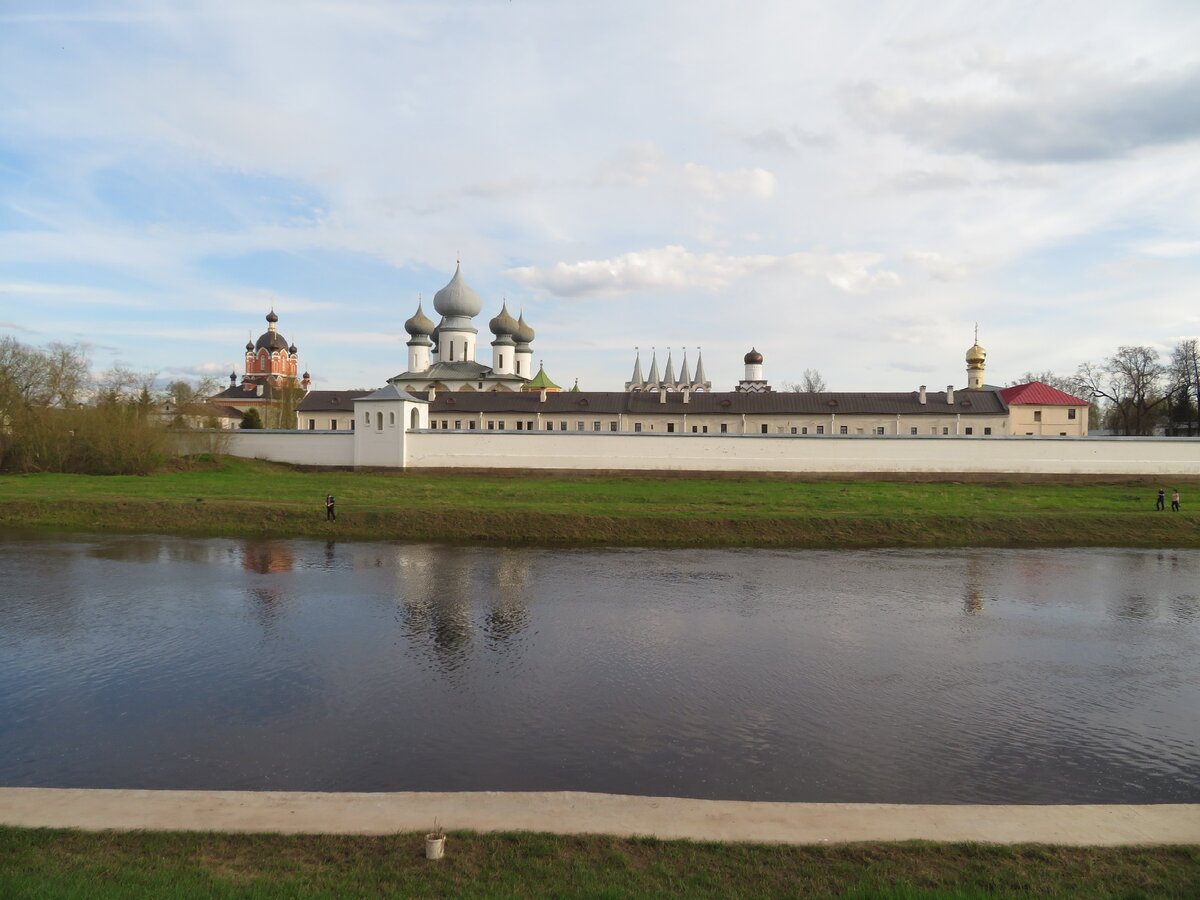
(1032,676)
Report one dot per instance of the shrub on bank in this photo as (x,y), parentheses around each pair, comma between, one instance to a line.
(109,439)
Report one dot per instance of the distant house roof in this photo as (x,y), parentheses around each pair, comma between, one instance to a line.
(218,411)
(330,401)
(1037,394)
(731,403)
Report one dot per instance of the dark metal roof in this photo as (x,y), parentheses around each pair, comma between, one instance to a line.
(468,369)
(330,401)
(272,340)
(724,403)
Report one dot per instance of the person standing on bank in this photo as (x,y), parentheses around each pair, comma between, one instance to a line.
(329,511)
(1175,500)
(1161,503)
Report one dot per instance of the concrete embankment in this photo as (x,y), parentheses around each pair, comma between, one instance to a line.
(581,813)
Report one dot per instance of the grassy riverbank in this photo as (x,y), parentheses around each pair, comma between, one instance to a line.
(53,863)
(247,498)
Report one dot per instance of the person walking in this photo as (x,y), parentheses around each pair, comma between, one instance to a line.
(1175,500)
(1162,499)
(329,511)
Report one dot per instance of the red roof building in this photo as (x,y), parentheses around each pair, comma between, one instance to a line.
(1038,394)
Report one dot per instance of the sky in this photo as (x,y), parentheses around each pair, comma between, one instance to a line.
(848,187)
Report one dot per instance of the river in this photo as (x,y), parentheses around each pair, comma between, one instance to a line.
(950,676)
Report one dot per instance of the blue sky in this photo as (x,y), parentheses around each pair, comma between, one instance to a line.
(847,187)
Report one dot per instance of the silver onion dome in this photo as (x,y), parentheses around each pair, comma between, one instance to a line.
(457,298)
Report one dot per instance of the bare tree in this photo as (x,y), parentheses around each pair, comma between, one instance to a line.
(1131,382)
(811,383)
(67,373)
(1183,393)
(1068,384)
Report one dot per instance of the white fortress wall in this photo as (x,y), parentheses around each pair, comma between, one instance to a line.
(787,453)
(301,448)
(396,446)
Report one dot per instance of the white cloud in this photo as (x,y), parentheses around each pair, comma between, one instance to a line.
(647,165)
(674,268)
(1082,117)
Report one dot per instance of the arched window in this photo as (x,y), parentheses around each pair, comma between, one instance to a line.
(379,421)
(415,419)
(391,419)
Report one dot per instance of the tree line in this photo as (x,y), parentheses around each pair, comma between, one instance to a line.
(1136,390)
(56,416)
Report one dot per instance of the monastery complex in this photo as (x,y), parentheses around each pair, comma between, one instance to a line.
(458,393)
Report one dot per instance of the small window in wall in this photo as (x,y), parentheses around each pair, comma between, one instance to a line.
(562,426)
(596,425)
(704,429)
(612,426)
(445,425)
(987,430)
(367,418)
(1071,413)
(520,425)
(637,426)
(1062,434)
(528,425)
(481,385)
(391,418)
(913,430)
(1037,415)
(433,423)
(458,424)
(879,429)
(549,426)
(793,429)
(501,425)
(491,424)
(724,427)
(579,426)
(969,430)
(352,423)
(764,428)
(471,425)
(501,360)
(804,429)
(518,367)
(844,429)
(670,428)
(695,429)
(379,421)
(820,429)
(312,424)
(945,430)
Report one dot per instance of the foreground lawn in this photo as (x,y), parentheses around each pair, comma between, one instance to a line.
(238,497)
(57,863)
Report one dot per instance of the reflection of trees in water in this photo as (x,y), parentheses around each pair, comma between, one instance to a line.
(266,605)
(128,549)
(508,607)
(267,556)
(438,587)
(973,591)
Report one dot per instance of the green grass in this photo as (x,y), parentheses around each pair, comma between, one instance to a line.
(251,498)
(59,863)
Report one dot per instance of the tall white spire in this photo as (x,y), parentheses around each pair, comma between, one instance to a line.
(636,381)
(653,381)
